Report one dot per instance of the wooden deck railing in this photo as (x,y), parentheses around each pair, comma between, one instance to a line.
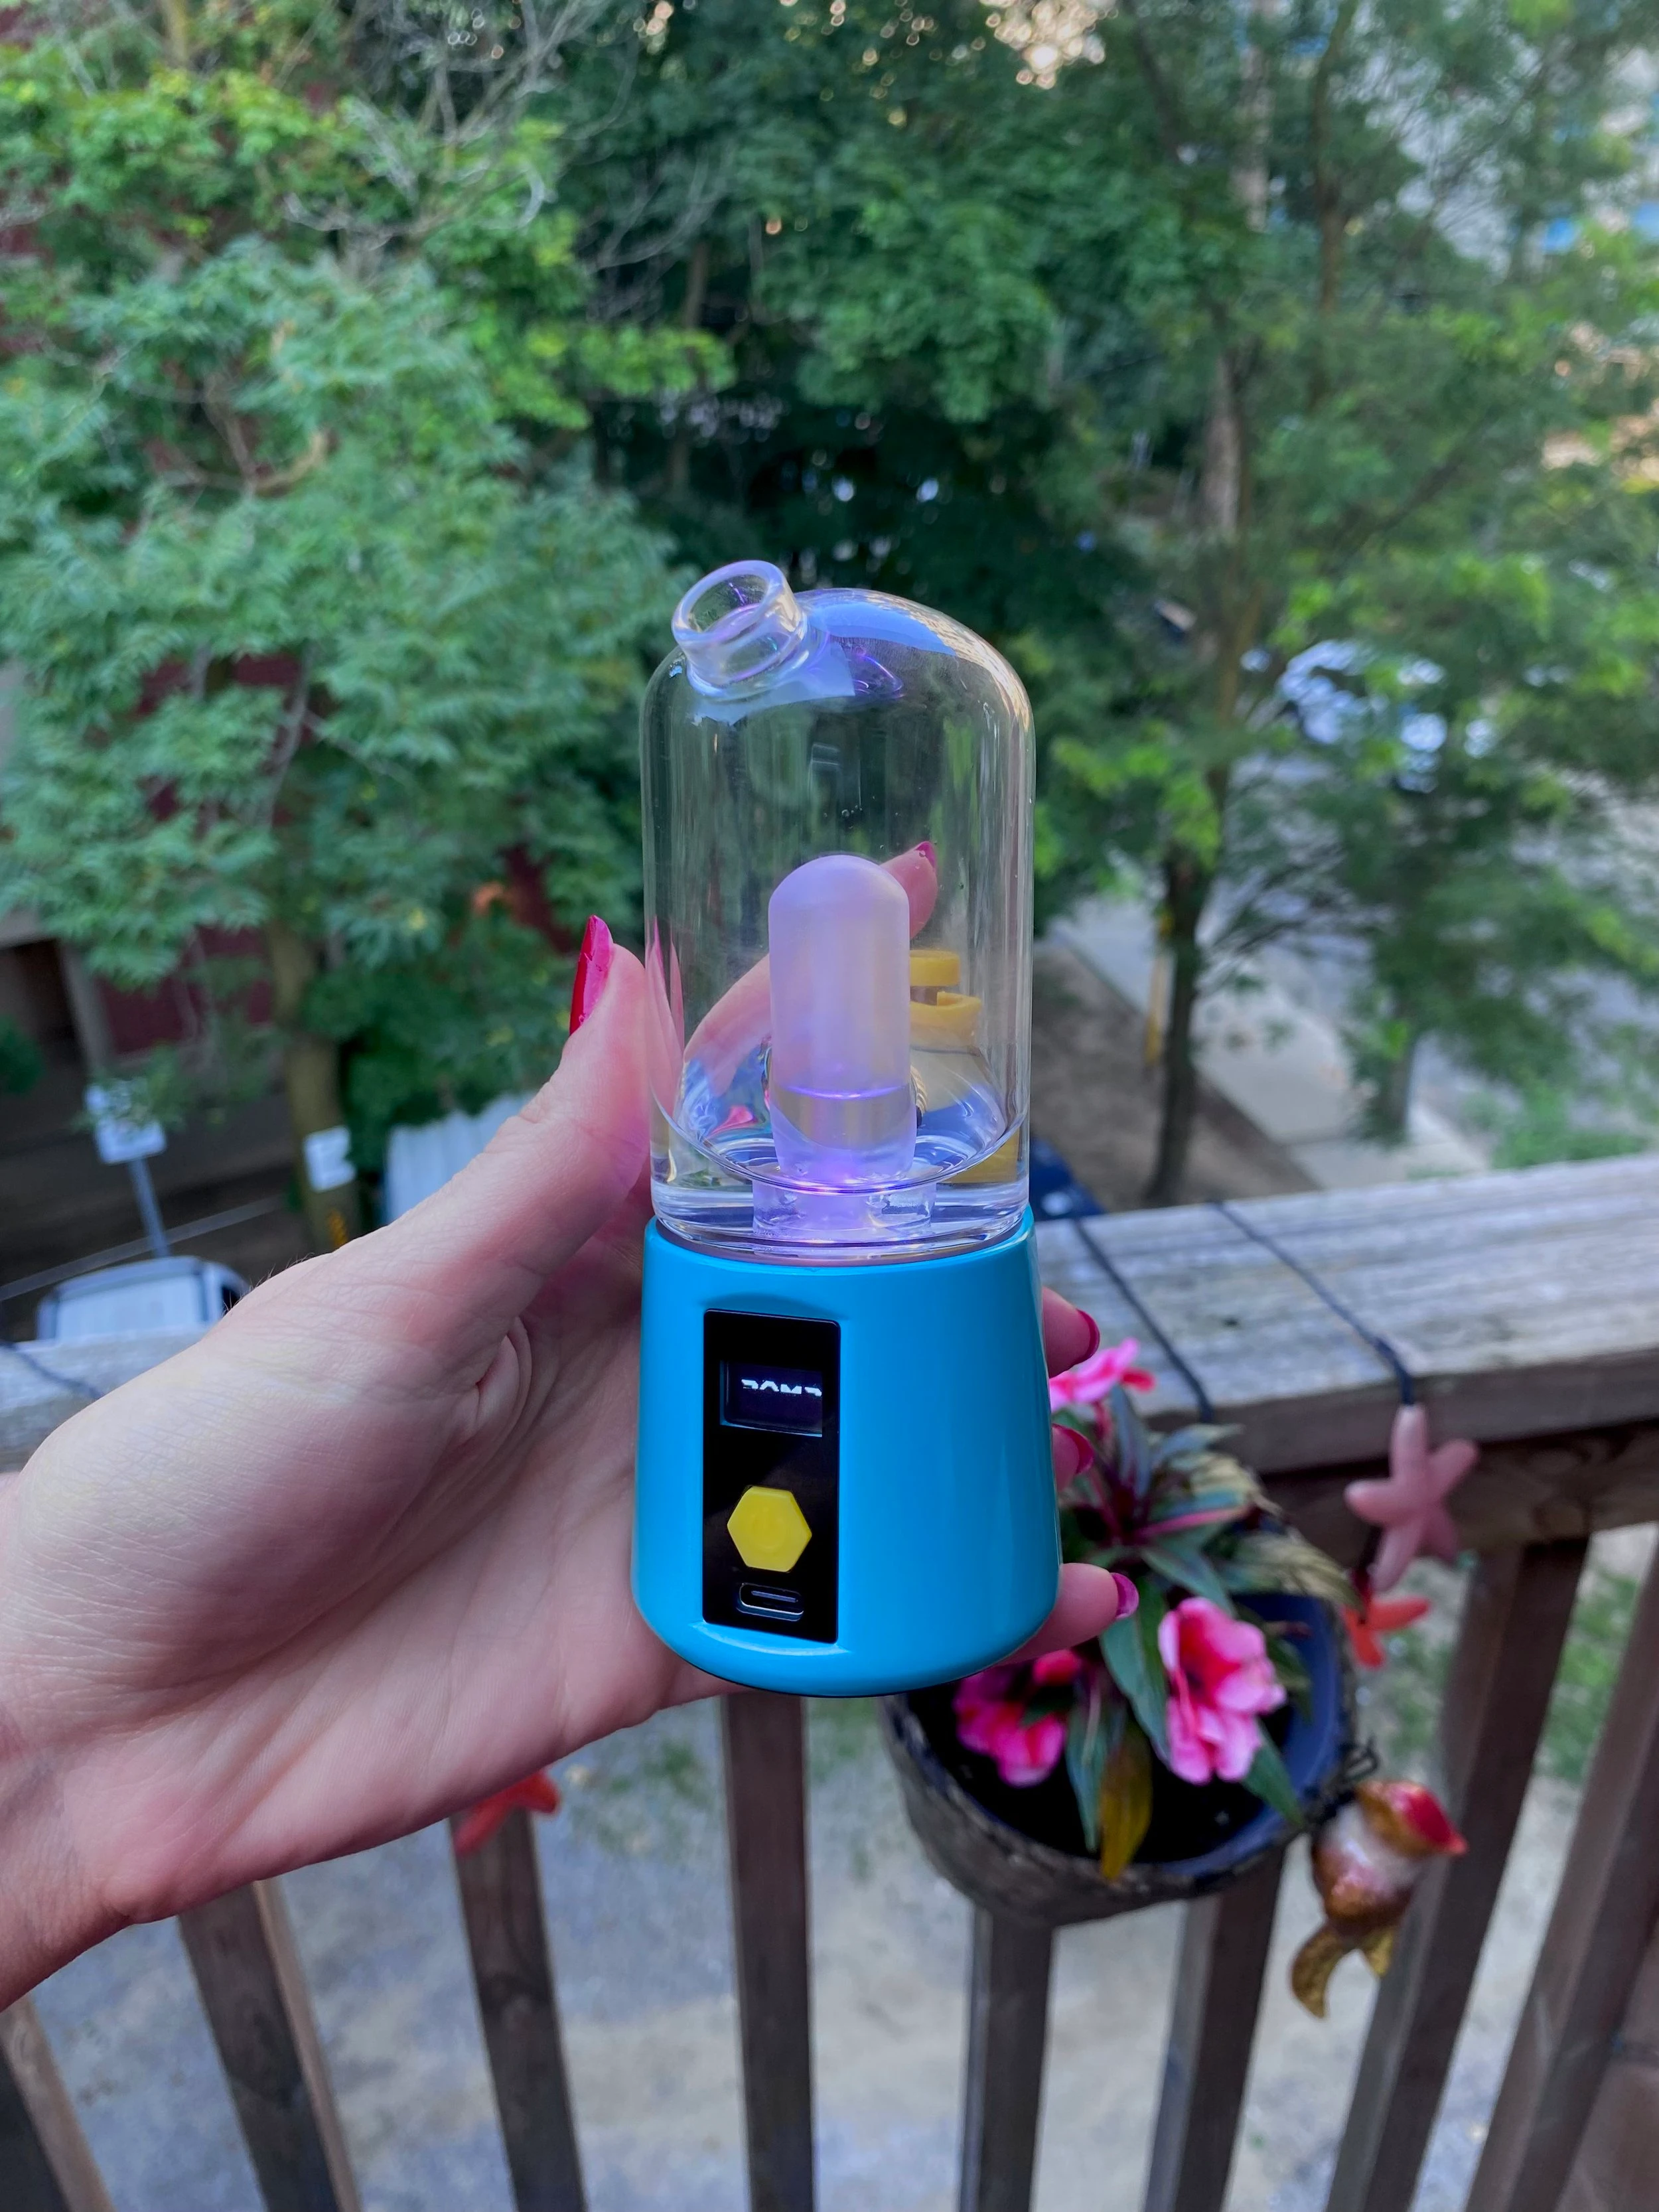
(1525,1310)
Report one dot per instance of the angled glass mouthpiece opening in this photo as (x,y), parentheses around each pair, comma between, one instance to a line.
(740,622)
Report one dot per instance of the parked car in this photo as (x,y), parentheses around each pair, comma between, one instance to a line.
(1056,1191)
(137,1300)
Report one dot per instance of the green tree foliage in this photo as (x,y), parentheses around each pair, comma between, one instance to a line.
(1236,340)
(339,347)
(325,629)
(857,202)
(1339,391)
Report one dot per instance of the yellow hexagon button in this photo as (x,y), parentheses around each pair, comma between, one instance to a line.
(768,1528)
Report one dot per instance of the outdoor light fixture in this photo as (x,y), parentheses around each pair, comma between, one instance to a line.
(844,1478)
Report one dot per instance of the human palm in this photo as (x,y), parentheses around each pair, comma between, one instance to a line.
(361,1555)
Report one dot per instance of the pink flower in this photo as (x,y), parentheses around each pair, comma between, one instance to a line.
(989,1720)
(1220,1677)
(1057,1666)
(1087,1384)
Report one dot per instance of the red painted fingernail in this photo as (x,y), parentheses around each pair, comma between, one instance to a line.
(1128,1597)
(592,966)
(1093,1344)
(1081,1454)
(929,852)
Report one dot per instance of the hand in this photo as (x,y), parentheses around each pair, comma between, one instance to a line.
(361,1555)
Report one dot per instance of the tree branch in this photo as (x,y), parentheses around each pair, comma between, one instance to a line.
(1166,109)
(1326,190)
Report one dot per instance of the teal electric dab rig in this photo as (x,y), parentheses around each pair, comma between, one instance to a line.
(844,1475)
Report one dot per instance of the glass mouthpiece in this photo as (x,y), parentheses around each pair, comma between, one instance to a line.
(739,623)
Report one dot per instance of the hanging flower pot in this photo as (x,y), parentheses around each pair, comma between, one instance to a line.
(1193,1738)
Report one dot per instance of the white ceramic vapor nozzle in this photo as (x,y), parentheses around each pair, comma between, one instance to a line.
(843,1109)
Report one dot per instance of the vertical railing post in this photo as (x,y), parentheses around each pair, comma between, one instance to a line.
(1615,2165)
(1007,2042)
(764,1741)
(1599,1934)
(241,1951)
(1515,1623)
(1218,1995)
(45,2165)
(513,1974)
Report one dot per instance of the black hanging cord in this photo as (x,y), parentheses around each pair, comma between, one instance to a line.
(1371,1339)
(51,1373)
(1379,1344)
(1201,1397)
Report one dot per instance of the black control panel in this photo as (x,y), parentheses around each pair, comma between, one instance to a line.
(771,1459)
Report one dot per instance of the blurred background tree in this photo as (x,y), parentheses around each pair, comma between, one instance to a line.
(369,374)
(330,645)
(1346,287)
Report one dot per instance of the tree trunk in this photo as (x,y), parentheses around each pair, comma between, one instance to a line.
(697,291)
(1187,890)
(311,1077)
(175,25)
(1388,1106)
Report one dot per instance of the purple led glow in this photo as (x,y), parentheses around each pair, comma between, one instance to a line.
(843,1109)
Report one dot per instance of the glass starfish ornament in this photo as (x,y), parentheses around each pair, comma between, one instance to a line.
(1410,1507)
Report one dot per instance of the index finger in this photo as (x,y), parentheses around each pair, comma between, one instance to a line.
(1068,1335)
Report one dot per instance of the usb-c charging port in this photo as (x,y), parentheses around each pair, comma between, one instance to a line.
(780,1604)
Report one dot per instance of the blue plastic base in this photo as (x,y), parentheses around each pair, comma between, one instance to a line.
(949,1542)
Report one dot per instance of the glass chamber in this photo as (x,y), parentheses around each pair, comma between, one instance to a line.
(837,794)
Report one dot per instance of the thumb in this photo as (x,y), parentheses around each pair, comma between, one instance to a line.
(475,1253)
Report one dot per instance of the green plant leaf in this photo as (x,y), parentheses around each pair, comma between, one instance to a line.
(1131,1652)
(1125,1800)
(1279,1560)
(1135,1444)
(1292,1671)
(1090,1736)
(1186,1564)
(1186,1443)
(1270,1779)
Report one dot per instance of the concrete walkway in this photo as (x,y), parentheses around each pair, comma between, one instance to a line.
(1278,1060)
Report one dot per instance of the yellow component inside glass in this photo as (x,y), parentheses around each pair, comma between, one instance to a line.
(932,970)
(768,1528)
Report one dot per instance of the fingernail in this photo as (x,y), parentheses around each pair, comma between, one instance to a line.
(592,966)
(1093,1344)
(1128,1597)
(1081,1454)
(929,852)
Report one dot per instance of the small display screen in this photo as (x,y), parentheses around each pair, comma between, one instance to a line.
(757,1395)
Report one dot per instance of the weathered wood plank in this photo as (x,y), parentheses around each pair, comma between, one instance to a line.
(1527,1304)
(241,1951)
(1601,1929)
(1224,1955)
(1007,2041)
(764,1741)
(513,1973)
(46,2164)
(1614,2166)
(1514,1625)
(1535,1492)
